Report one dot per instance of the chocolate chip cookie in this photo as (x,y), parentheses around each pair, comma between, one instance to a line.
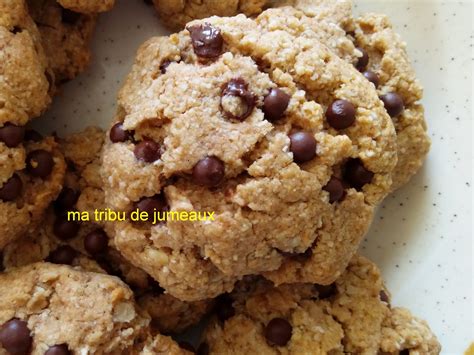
(352,316)
(87,6)
(288,145)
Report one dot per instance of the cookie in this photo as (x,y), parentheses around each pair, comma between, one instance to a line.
(65,37)
(353,316)
(45,307)
(87,6)
(86,244)
(176,13)
(242,120)
(25,195)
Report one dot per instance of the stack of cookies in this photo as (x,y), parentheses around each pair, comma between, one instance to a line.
(288,123)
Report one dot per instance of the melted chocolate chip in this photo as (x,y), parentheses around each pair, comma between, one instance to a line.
(96,242)
(372,77)
(61,349)
(237,102)
(15,337)
(39,163)
(11,189)
(363,61)
(12,135)
(356,175)
(275,104)
(303,146)
(224,308)
(118,134)
(64,229)
(148,151)
(335,187)
(278,332)
(209,171)
(341,114)
(64,255)
(69,17)
(150,205)
(207,40)
(393,103)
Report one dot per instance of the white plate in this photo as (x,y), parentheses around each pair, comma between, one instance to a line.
(422,236)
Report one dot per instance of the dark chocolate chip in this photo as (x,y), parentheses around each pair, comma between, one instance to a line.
(32,135)
(16,29)
(118,134)
(39,163)
(203,349)
(325,291)
(275,104)
(303,146)
(278,332)
(66,200)
(11,189)
(12,135)
(363,61)
(69,17)
(187,346)
(150,205)
(224,308)
(209,171)
(64,229)
(393,103)
(148,151)
(15,337)
(372,77)
(207,40)
(356,175)
(341,114)
(60,349)
(96,242)
(237,102)
(335,188)
(64,254)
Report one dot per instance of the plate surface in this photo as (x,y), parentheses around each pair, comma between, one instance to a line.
(422,235)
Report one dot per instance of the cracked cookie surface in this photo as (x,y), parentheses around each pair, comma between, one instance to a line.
(243,119)
(353,315)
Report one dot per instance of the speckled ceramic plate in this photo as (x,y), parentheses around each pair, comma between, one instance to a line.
(422,236)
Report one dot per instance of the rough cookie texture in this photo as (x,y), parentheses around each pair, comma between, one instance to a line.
(88,312)
(65,36)
(176,13)
(351,316)
(87,6)
(26,194)
(229,116)
(53,240)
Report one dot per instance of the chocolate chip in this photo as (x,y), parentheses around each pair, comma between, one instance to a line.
(69,17)
(187,346)
(325,291)
(150,205)
(118,134)
(275,104)
(207,40)
(237,102)
(341,114)
(203,349)
(278,332)
(384,297)
(372,77)
(404,352)
(16,30)
(39,163)
(209,171)
(164,66)
(363,61)
(148,151)
(303,146)
(393,103)
(15,337)
(96,242)
(61,349)
(356,174)
(12,135)
(66,200)
(335,188)
(64,254)
(64,229)
(32,135)
(224,308)
(11,189)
